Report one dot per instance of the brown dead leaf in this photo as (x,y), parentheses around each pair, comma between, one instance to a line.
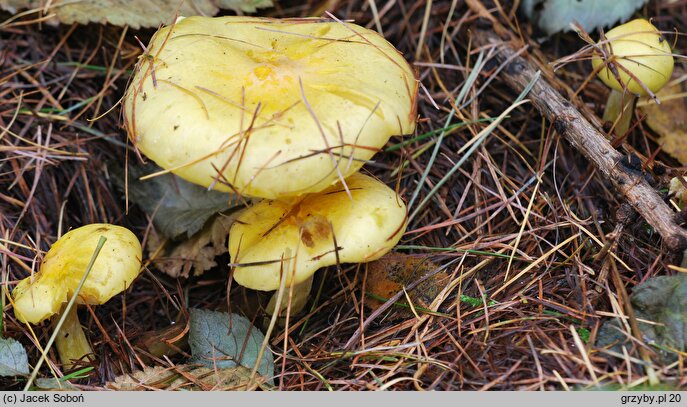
(166,341)
(185,377)
(390,274)
(669,119)
(197,253)
(134,13)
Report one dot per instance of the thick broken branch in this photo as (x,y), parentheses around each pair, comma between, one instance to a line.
(588,140)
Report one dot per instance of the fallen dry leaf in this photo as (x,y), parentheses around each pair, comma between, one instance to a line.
(669,119)
(197,253)
(134,13)
(390,274)
(166,341)
(185,377)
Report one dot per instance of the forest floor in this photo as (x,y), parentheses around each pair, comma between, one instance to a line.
(528,255)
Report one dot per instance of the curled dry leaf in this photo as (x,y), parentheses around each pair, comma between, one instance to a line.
(196,254)
(191,223)
(669,119)
(186,377)
(134,13)
(393,272)
(166,341)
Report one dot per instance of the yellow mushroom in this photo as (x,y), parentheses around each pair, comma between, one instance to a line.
(634,60)
(45,294)
(677,189)
(271,108)
(304,234)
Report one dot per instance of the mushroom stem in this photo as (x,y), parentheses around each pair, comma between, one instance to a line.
(298,297)
(71,341)
(619,109)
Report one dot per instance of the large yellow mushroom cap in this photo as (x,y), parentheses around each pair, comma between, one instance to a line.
(302,231)
(118,264)
(274,108)
(639,48)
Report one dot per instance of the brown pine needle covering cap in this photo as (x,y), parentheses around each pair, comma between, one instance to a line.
(365,226)
(118,264)
(271,108)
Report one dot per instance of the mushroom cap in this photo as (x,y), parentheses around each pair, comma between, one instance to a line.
(271,108)
(641,49)
(118,264)
(365,226)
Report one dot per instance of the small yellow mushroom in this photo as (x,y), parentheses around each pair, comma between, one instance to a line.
(45,294)
(677,189)
(639,54)
(270,108)
(637,61)
(304,234)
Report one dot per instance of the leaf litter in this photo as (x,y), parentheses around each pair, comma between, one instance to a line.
(397,272)
(191,223)
(185,377)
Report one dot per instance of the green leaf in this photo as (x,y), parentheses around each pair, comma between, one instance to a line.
(13,359)
(553,16)
(52,384)
(222,340)
(584,334)
(663,301)
(475,302)
(178,207)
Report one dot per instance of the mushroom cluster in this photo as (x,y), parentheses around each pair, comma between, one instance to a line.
(287,110)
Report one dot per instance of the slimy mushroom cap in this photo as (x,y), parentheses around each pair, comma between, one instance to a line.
(271,108)
(316,230)
(39,297)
